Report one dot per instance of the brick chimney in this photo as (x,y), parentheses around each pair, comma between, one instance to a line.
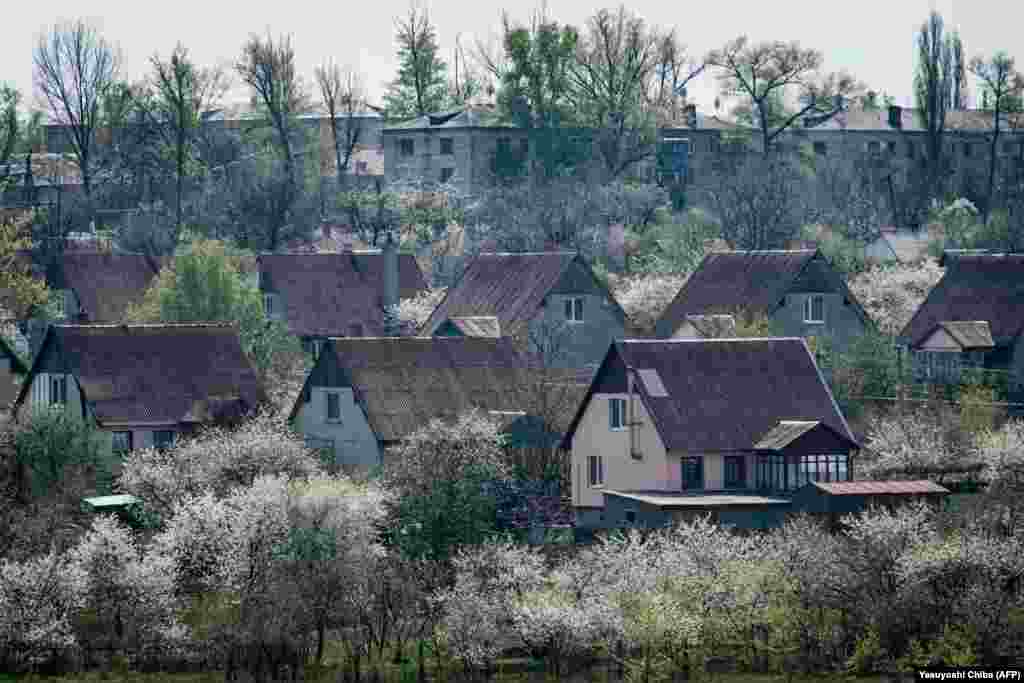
(691,116)
(895,116)
(390,299)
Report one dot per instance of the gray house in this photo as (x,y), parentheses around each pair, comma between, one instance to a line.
(364,394)
(142,385)
(973,317)
(670,429)
(799,292)
(549,302)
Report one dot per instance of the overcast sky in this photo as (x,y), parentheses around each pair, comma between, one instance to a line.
(874,39)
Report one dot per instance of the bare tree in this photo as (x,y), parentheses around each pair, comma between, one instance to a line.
(268,68)
(1001,81)
(673,71)
(9,126)
(344,98)
(181,94)
(933,86)
(764,73)
(960,69)
(75,68)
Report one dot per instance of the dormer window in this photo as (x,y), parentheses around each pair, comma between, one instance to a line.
(574,310)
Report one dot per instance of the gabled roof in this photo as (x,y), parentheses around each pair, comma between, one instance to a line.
(722,394)
(326,294)
(970,335)
(164,373)
(477,326)
(976,286)
(480,116)
(404,382)
(755,282)
(876,488)
(105,282)
(788,432)
(510,287)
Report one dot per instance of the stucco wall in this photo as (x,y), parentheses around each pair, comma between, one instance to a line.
(621,471)
(842,324)
(355,444)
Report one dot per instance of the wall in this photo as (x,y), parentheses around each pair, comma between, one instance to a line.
(842,324)
(355,444)
(621,471)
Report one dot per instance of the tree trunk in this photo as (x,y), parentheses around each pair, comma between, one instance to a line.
(992,169)
(321,633)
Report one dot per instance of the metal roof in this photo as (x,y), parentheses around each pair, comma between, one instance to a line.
(876,488)
(785,433)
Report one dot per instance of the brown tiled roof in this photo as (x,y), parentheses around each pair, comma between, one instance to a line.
(478,326)
(725,394)
(976,286)
(326,294)
(165,373)
(876,488)
(728,281)
(509,287)
(403,383)
(105,282)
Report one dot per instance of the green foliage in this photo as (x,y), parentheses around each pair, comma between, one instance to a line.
(867,653)
(422,85)
(205,283)
(675,244)
(869,367)
(845,254)
(540,60)
(53,440)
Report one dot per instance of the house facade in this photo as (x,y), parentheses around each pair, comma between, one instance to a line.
(973,317)
(670,429)
(142,385)
(798,291)
(365,394)
(550,303)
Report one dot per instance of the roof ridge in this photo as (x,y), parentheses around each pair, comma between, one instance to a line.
(111,326)
(681,340)
(527,253)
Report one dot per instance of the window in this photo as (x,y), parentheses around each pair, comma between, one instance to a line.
(163,439)
(777,473)
(814,309)
(617,413)
(447,146)
(693,473)
(362,167)
(574,310)
(333,406)
(874,147)
(735,472)
(446,174)
(58,304)
(524,147)
(121,442)
(406,147)
(911,150)
(892,147)
(58,390)
(316,346)
(820,148)
(630,516)
(595,470)
(268,305)
(967,149)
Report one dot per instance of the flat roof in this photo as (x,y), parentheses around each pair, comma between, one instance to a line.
(111,501)
(667,499)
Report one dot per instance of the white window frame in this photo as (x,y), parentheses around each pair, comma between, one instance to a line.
(58,390)
(59,304)
(623,419)
(574,310)
(809,309)
(327,406)
(595,471)
(268,305)
(316,345)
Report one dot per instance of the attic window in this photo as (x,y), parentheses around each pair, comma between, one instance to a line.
(820,148)
(333,406)
(58,390)
(814,309)
(406,147)
(574,310)
(616,413)
(447,146)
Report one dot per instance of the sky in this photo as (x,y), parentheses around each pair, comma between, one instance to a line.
(872,39)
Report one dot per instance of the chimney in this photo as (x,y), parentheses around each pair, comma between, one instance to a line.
(691,116)
(895,116)
(391,321)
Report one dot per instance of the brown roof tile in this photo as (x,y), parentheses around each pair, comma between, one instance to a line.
(726,394)
(403,383)
(105,282)
(975,287)
(326,294)
(167,373)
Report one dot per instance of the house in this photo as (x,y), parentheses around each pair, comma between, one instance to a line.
(364,394)
(12,373)
(973,317)
(142,385)
(550,302)
(669,429)
(99,286)
(336,294)
(799,292)
(900,245)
